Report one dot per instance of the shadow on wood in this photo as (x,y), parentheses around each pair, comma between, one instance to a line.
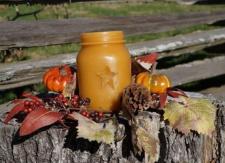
(19,15)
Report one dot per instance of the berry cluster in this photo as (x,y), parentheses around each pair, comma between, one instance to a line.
(95,116)
(74,101)
(31,105)
(77,103)
(60,102)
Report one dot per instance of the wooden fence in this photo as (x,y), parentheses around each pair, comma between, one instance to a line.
(40,33)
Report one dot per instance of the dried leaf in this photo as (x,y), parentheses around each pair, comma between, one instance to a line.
(163,99)
(149,58)
(147,142)
(147,61)
(136,67)
(16,109)
(145,130)
(37,119)
(175,93)
(70,87)
(31,96)
(194,114)
(100,132)
(16,101)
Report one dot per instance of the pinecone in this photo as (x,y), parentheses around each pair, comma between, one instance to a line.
(137,97)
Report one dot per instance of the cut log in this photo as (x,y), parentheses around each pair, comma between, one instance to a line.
(60,145)
(40,33)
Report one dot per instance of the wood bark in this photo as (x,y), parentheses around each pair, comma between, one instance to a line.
(60,145)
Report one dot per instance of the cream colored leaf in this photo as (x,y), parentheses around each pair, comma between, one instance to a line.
(70,87)
(100,132)
(148,143)
(196,114)
(145,128)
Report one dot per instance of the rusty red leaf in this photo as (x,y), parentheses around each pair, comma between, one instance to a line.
(162,99)
(15,110)
(31,96)
(150,58)
(37,119)
(16,101)
(175,93)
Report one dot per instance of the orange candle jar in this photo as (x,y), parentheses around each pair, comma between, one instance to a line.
(103,69)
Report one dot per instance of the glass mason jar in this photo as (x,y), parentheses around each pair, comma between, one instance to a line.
(103,69)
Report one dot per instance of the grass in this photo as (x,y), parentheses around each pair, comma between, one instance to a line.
(152,36)
(44,52)
(101,10)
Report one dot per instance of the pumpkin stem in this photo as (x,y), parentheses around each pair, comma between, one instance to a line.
(62,71)
(153,68)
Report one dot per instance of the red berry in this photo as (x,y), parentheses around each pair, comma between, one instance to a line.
(61,97)
(26,110)
(100,114)
(88,115)
(41,107)
(26,103)
(74,103)
(65,103)
(84,113)
(37,103)
(31,103)
(75,97)
(29,110)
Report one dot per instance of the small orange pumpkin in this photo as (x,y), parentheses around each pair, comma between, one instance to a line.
(156,83)
(55,78)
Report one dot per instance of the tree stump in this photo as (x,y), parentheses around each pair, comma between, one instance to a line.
(55,144)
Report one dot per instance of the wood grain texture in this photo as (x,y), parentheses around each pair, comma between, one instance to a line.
(30,72)
(197,70)
(57,145)
(51,32)
(179,44)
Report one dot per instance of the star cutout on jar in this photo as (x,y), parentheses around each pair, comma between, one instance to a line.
(107,78)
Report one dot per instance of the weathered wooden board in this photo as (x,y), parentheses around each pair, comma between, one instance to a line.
(30,72)
(179,74)
(180,43)
(218,92)
(196,70)
(50,32)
